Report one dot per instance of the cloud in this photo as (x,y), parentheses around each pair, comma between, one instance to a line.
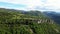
(37,4)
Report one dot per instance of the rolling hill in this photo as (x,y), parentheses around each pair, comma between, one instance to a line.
(26,22)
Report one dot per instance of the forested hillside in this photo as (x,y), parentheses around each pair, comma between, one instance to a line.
(26,22)
(53,15)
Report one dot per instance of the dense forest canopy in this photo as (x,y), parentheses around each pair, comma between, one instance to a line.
(26,22)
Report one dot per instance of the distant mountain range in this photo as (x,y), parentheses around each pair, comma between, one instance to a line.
(53,15)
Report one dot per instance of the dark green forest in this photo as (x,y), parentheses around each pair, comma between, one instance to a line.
(26,22)
(53,15)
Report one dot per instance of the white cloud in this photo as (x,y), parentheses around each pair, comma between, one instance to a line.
(32,4)
(53,3)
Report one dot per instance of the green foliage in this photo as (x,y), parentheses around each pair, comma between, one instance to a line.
(15,22)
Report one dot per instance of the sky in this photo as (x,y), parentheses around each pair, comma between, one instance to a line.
(42,5)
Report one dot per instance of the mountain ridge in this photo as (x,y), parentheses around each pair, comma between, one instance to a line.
(16,22)
(54,16)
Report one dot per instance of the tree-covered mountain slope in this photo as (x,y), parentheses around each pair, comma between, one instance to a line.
(26,22)
(53,15)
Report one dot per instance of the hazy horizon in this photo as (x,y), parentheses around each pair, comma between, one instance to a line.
(41,5)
